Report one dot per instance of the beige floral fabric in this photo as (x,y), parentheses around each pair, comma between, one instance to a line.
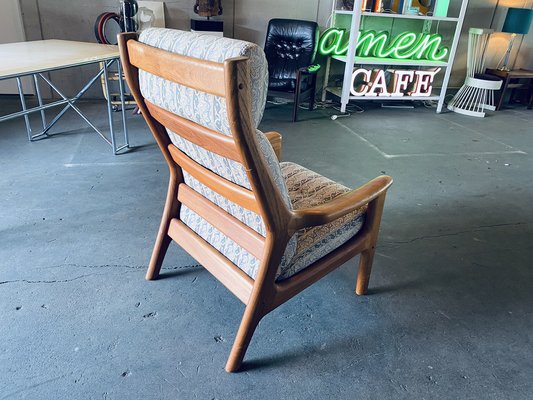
(307,189)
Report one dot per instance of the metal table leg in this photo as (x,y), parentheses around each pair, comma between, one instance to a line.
(123,104)
(24,108)
(39,99)
(70,103)
(109,108)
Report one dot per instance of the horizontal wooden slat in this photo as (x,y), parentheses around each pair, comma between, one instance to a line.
(205,76)
(219,266)
(233,192)
(208,139)
(226,223)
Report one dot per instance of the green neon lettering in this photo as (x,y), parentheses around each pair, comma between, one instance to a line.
(429,48)
(401,46)
(331,42)
(407,45)
(372,44)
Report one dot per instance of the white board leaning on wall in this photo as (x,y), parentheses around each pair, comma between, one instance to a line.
(12,30)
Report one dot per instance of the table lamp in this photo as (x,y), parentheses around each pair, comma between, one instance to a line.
(517,22)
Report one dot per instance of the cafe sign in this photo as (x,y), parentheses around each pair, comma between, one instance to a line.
(373,83)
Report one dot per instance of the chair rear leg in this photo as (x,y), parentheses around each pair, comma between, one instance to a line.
(250,319)
(373,218)
(163,240)
(313,93)
(158,255)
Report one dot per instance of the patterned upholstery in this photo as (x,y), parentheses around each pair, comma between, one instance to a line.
(206,109)
(203,108)
(309,189)
(306,189)
(298,186)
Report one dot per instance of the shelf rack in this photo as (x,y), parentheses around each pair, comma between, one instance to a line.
(356,17)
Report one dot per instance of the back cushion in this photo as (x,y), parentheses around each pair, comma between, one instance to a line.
(203,108)
(210,111)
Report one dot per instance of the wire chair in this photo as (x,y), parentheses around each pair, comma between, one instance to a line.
(477,93)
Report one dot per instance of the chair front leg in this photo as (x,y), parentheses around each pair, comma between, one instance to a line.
(373,218)
(163,239)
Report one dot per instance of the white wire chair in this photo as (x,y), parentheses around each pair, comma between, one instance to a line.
(477,93)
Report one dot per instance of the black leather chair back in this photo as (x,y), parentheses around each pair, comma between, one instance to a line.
(290,44)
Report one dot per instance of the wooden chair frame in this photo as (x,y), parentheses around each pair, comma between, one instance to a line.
(262,295)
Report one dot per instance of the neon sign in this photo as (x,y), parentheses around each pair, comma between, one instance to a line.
(373,83)
(407,45)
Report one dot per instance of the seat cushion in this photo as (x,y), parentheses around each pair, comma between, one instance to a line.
(308,189)
(488,77)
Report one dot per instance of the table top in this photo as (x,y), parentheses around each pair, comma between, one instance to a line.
(515,73)
(25,58)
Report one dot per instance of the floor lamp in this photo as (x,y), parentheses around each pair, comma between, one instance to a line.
(517,22)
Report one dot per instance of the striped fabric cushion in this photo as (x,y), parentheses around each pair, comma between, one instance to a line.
(308,189)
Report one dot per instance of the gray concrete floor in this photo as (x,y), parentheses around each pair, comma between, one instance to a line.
(449,314)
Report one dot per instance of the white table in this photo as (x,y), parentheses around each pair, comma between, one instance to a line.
(38,57)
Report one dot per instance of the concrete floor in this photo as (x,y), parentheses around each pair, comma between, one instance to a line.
(449,315)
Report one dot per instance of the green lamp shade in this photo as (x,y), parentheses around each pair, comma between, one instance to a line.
(518,20)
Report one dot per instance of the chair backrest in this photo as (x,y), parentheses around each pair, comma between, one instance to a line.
(478,39)
(205,96)
(290,44)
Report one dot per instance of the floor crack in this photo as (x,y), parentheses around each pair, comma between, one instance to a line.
(476,229)
(140,267)
(47,281)
(52,281)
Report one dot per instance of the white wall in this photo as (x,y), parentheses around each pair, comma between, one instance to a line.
(12,30)
(252,16)
(248,19)
(522,54)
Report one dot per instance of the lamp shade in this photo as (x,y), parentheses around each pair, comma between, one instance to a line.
(518,20)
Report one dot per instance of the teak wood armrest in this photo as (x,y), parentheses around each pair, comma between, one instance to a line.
(275,140)
(341,205)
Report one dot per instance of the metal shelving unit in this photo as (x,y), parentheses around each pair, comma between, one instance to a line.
(357,16)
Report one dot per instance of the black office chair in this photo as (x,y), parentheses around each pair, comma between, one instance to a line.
(290,50)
